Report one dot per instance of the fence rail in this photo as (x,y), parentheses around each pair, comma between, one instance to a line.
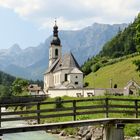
(73,108)
(23,99)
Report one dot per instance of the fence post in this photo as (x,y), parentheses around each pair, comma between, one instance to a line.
(38,113)
(106,105)
(113,131)
(74,110)
(136,108)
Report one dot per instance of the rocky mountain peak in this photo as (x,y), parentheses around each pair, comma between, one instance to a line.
(15,48)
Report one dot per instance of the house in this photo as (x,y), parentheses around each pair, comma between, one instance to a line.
(131,88)
(34,89)
(63,71)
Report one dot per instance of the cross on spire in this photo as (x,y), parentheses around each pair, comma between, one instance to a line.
(55,21)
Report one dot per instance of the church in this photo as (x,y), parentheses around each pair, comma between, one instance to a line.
(63,70)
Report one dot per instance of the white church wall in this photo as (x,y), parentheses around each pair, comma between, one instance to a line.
(57,78)
(76,79)
(46,85)
(48,81)
(63,72)
(75,92)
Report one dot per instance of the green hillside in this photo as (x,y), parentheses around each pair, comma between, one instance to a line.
(125,43)
(120,73)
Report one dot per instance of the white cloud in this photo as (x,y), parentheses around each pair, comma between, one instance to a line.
(22,7)
(73,14)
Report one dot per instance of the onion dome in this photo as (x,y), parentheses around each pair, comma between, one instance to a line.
(55,40)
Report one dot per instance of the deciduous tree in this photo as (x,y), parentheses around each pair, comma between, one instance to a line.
(19,85)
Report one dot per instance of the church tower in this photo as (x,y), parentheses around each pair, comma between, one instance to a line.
(63,72)
(55,47)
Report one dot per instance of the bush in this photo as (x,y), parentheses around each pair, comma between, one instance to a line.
(132,130)
(104,61)
(58,102)
(86,84)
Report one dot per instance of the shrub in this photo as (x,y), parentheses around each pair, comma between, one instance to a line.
(58,102)
(86,84)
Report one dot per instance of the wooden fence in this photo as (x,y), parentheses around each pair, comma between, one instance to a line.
(73,108)
(22,99)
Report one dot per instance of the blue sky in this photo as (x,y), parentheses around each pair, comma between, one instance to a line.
(14,29)
(29,22)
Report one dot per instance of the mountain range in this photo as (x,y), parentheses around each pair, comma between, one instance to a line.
(32,62)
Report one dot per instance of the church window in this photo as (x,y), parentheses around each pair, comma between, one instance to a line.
(76,83)
(56,52)
(76,76)
(66,77)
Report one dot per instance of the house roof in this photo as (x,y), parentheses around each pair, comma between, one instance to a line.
(132,83)
(34,87)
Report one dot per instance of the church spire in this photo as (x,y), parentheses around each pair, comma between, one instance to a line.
(56,40)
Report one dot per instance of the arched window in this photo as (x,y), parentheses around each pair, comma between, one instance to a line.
(56,52)
(66,77)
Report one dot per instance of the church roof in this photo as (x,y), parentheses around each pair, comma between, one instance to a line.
(52,67)
(75,70)
(67,62)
